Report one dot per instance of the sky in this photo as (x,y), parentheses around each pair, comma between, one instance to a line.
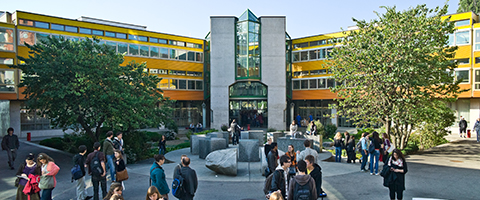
(192,17)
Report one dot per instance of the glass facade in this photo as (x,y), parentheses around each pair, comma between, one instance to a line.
(248,89)
(248,47)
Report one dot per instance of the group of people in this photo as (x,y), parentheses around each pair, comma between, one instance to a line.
(160,189)
(252,117)
(347,143)
(196,128)
(297,175)
(306,121)
(294,129)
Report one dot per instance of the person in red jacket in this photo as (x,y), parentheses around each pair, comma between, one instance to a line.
(26,169)
(49,168)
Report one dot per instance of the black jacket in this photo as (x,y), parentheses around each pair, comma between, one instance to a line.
(350,145)
(10,142)
(278,182)
(337,143)
(190,182)
(272,160)
(462,124)
(316,174)
(399,182)
(80,160)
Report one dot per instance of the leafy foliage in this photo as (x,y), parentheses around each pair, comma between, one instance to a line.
(395,70)
(330,130)
(224,127)
(270,129)
(82,85)
(468,5)
(432,132)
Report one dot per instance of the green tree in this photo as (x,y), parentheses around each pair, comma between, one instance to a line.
(395,70)
(468,5)
(82,85)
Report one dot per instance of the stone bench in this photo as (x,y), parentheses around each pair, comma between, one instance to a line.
(248,150)
(244,135)
(195,143)
(297,143)
(223,135)
(257,134)
(275,135)
(208,145)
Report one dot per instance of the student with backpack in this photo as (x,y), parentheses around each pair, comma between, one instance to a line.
(302,186)
(278,180)
(157,175)
(96,168)
(78,173)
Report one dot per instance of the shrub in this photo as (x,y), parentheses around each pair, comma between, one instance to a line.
(320,128)
(206,132)
(224,127)
(269,130)
(330,130)
(189,134)
(153,136)
(172,126)
(136,146)
(55,142)
(178,146)
(411,148)
(170,135)
(74,140)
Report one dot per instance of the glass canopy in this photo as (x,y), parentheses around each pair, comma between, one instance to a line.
(248,47)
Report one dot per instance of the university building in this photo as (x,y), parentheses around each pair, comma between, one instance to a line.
(246,68)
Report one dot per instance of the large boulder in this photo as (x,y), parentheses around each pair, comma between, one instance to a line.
(223,161)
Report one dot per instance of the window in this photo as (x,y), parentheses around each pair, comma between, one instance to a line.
(313,55)
(300,45)
(477,79)
(144,50)
(329,52)
(163,53)
(322,54)
(296,84)
(191,84)
(303,84)
(477,39)
(25,22)
(296,73)
(296,56)
(190,45)
(199,85)
(153,51)
(153,71)
(451,39)
(182,54)
(330,83)
(197,46)
(175,72)
(199,57)
(41,25)
(182,84)
(463,75)
(41,37)
(163,71)
(6,39)
(173,54)
(72,29)
(121,35)
(113,45)
(197,74)
(317,43)
(463,61)
(462,22)
(97,32)
(85,31)
(57,27)
(109,34)
(191,56)
(26,37)
(6,61)
(322,83)
(132,49)
(132,37)
(304,55)
(162,41)
(313,83)
(122,48)
(317,72)
(7,80)
(155,40)
(462,37)
(143,38)
(477,60)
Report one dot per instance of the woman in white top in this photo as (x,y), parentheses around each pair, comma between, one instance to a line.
(293,128)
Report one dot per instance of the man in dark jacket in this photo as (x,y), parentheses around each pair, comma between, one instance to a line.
(79,159)
(315,171)
(190,182)
(272,158)
(10,144)
(97,180)
(463,126)
(306,185)
(108,150)
(280,177)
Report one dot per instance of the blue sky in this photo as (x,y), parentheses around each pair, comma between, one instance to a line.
(192,17)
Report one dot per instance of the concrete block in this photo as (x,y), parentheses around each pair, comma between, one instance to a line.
(257,134)
(204,147)
(248,150)
(194,143)
(244,135)
(297,143)
(275,135)
(216,144)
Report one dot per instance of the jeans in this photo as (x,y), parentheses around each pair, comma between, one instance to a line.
(47,194)
(81,192)
(478,135)
(102,180)
(364,159)
(375,155)
(338,154)
(111,167)
(394,190)
(161,151)
(12,154)
(235,139)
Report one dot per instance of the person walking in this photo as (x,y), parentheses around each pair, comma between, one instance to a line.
(179,166)
(315,171)
(190,181)
(303,185)
(338,144)
(476,127)
(376,142)
(25,170)
(293,157)
(299,120)
(79,159)
(96,168)
(397,165)
(351,149)
(235,132)
(463,126)
(48,168)
(272,158)
(119,163)
(10,144)
(120,145)
(280,177)
(157,175)
(162,149)
(293,129)
(364,152)
(308,151)
(387,147)
(108,150)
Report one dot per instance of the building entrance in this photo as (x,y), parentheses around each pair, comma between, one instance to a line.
(253,112)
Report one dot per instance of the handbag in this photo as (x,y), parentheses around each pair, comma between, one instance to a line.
(229,129)
(122,175)
(17,182)
(46,182)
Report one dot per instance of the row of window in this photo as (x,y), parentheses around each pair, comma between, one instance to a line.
(310,73)
(7,39)
(317,43)
(130,49)
(180,84)
(175,72)
(74,29)
(317,54)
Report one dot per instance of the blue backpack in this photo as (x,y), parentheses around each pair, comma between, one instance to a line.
(76,172)
(177,185)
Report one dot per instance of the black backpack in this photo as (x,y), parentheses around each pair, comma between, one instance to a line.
(302,192)
(96,166)
(178,189)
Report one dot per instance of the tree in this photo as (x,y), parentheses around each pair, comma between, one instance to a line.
(468,5)
(396,70)
(81,84)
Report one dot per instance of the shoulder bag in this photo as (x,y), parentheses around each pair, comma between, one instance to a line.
(46,182)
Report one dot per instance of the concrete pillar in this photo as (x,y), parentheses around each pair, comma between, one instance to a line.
(474,112)
(4,116)
(15,120)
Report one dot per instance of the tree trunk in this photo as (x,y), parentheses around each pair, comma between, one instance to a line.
(87,128)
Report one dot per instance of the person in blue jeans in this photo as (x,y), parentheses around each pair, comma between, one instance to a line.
(476,127)
(364,151)
(108,150)
(376,141)
(338,144)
